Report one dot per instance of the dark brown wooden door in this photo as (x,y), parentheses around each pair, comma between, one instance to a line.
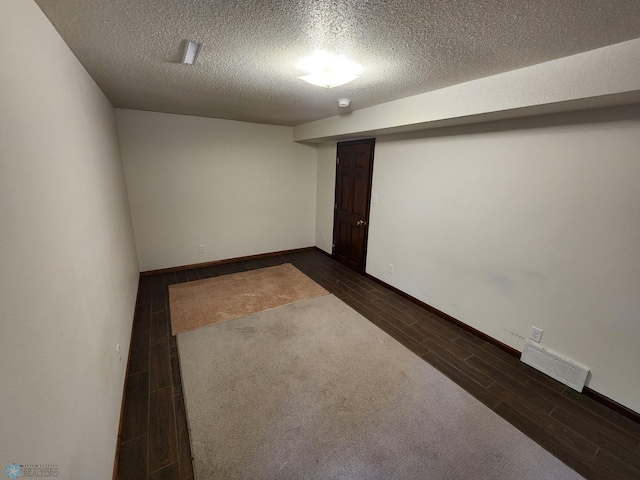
(354,171)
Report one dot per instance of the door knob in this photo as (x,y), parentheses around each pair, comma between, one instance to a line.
(361,222)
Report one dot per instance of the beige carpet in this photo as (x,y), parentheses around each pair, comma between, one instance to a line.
(313,390)
(213,300)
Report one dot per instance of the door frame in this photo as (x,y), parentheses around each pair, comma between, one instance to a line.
(372,142)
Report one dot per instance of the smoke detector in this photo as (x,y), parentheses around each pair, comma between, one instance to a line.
(344,102)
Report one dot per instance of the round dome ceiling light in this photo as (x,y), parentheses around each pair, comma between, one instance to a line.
(327,70)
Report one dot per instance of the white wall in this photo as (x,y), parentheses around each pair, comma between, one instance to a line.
(237,188)
(529,222)
(326,195)
(68,270)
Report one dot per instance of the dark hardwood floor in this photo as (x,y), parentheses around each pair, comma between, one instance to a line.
(592,439)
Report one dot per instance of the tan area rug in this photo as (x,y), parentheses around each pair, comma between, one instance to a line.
(214,300)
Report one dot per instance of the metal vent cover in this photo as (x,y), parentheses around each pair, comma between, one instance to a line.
(562,369)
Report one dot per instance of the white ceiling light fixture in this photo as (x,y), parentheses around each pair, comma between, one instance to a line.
(327,70)
(191,51)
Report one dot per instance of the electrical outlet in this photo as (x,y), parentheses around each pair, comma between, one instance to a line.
(375,198)
(324,238)
(390,268)
(535,334)
(118,352)
(201,248)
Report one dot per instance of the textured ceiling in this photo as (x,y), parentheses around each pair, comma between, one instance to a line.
(247,68)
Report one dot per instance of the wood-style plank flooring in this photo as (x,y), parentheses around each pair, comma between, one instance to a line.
(592,439)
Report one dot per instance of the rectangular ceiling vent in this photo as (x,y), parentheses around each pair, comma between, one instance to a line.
(562,369)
